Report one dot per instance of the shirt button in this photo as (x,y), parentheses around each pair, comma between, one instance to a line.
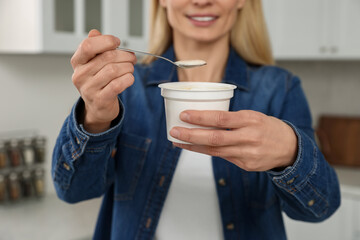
(230,226)
(66,166)
(311,202)
(148,222)
(162,180)
(222,182)
(113,153)
(290,181)
(77,140)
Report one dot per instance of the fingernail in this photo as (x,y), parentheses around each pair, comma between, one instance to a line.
(176,144)
(175,133)
(185,116)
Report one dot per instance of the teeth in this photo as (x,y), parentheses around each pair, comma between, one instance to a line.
(203,19)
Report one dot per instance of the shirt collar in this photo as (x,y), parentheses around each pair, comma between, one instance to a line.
(235,72)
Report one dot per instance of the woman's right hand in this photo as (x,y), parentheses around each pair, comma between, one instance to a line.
(101,72)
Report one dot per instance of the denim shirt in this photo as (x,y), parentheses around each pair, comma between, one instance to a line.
(132,163)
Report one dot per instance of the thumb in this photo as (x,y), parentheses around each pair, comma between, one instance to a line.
(94,33)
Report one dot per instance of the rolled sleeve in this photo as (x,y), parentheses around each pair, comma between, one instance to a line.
(304,182)
(80,138)
(79,154)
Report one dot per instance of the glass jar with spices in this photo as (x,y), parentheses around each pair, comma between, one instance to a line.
(39,144)
(28,152)
(2,188)
(14,153)
(3,155)
(27,186)
(14,187)
(39,182)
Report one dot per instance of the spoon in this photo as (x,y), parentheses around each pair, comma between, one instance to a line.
(181,64)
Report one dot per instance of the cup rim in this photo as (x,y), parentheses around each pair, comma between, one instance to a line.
(224,86)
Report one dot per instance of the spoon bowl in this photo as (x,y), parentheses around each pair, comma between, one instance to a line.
(180,64)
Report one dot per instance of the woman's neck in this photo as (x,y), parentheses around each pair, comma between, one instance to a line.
(215,54)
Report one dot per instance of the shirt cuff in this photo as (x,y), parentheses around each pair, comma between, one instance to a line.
(303,167)
(296,179)
(80,138)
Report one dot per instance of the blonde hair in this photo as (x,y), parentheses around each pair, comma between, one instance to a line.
(249,35)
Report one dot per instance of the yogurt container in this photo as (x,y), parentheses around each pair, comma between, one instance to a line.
(181,96)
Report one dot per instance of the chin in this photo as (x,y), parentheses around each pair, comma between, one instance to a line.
(203,37)
(206,39)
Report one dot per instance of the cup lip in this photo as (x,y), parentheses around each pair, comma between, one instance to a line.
(171,86)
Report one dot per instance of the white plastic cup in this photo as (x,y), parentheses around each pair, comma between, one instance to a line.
(181,96)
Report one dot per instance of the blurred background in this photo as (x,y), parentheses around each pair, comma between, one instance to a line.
(316,40)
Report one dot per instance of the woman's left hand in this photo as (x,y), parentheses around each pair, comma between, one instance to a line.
(249,139)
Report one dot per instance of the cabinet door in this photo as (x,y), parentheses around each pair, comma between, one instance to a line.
(137,19)
(20,26)
(346,29)
(114,21)
(129,21)
(338,226)
(63,25)
(297,28)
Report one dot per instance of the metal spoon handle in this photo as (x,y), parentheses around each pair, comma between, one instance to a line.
(146,53)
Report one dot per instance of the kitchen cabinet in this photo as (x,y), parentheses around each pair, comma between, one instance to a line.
(58,26)
(324,29)
(128,20)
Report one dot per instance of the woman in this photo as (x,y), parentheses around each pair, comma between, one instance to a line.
(265,162)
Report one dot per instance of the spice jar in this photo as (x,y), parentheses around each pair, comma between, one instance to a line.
(3,155)
(39,144)
(39,183)
(2,188)
(14,186)
(28,152)
(14,153)
(27,186)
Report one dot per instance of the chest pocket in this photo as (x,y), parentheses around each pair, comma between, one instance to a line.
(130,159)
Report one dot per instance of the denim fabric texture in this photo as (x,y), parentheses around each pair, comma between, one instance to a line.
(131,164)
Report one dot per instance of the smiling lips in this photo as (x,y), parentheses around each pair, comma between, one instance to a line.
(202,20)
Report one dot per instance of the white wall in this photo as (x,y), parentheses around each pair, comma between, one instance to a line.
(36,92)
(332,87)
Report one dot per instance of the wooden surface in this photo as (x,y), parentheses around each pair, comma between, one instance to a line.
(339,139)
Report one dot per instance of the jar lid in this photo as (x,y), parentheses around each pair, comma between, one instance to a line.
(14,142)
(13,176)
(27,142)
(39,140)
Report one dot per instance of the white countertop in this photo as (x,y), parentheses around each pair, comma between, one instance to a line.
(349,178)
(48,219)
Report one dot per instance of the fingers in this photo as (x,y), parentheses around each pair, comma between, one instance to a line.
(222,119)
(93,33)
(112,56)
(116,86)
(207,137)
(112,71)
(227,152)
(245,158)
(103,68)
(92,46)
